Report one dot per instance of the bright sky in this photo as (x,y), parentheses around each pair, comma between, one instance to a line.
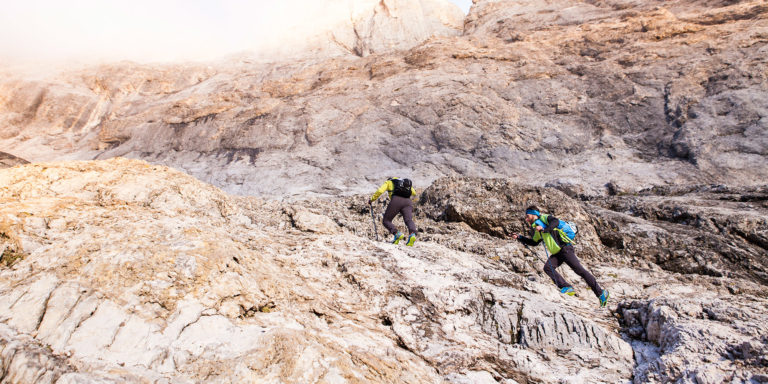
(463,4)
(158,30)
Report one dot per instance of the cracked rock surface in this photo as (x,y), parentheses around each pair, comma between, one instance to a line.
(206,223)
(124,271)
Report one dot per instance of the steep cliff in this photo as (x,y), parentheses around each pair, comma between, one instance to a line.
(636,94)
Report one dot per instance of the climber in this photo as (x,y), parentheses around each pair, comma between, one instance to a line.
(400,193)
(560,247)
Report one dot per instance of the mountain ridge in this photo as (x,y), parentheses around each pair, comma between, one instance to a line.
(632,94)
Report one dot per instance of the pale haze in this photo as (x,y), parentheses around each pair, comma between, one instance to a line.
(170,30)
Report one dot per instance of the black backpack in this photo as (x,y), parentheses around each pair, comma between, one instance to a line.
(402,188)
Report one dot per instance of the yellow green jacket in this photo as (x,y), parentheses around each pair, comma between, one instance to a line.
(388,187)
(549,241)
(553,237)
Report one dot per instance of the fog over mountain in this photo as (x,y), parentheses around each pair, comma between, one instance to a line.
(210,222)
(44,33)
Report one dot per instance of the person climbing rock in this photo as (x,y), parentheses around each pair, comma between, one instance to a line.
(400,193)
(548,228)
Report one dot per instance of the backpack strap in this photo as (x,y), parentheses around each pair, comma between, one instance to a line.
(544,218)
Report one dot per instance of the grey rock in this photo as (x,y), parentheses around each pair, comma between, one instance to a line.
(141,273)
(624,93)
(711,230)
(8,160)
(643,122)
(696,346)
(145,273)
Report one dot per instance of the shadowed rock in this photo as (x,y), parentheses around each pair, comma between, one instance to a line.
(8,160)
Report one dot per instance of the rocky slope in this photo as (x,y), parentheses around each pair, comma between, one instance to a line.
(628,93)
(123,271)
(644,122)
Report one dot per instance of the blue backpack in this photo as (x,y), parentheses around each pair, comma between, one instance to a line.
(567,227)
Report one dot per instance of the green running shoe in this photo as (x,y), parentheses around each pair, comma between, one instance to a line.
(604,298)
(398,236)
(411,240)
(568,291)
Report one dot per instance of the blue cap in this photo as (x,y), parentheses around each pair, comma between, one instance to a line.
(532,212)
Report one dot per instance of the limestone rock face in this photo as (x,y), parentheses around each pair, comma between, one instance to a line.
(381,26)
(716,231)
(707,230)
(701,323)
(134,273)
(704,338)
(361,28)
(121,270)
(312,222)
(596,96)
(643,122)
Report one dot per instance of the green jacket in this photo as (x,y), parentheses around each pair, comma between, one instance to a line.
(554,238)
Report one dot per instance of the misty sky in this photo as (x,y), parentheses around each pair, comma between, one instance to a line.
(463,4)
(156,30)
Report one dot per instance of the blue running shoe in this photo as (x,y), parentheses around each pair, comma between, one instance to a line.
(604,298)
(568,291)
(398,236)
(411,240)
